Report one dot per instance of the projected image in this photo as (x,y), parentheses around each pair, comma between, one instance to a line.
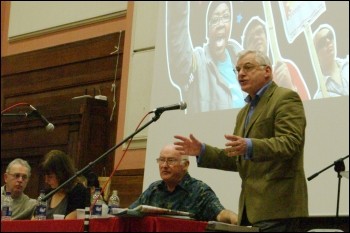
(203,39)
(335,70)
(205,73)
(286,73)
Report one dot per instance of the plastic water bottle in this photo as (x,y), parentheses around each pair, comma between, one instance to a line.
(40,211)
(97,208)
(113,202)
(6,208)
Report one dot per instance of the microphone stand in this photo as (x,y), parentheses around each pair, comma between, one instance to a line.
(339,166)
(15,114)
(20,114)
(25,115)
(78,173)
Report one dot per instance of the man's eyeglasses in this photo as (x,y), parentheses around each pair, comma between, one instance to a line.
(169,161)
(18,175)
(247,67)
(215,20)
(323,41)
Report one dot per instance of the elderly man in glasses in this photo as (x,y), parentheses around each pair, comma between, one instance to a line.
(266,149)
(179,191)
(16,179)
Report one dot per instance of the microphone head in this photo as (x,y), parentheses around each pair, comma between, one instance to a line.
(183,105)
(50,127)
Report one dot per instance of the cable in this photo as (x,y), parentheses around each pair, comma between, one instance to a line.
(13,106)
(113,88)
(121,159)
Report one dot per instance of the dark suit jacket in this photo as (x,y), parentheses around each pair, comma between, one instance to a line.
(273,182)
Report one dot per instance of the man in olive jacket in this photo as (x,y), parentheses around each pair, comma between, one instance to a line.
(266,149)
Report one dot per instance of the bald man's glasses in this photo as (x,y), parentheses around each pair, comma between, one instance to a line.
(169,161)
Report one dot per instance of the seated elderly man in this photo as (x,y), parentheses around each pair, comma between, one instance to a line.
(179,191)
(16,179)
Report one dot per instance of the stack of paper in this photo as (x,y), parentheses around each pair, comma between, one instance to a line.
(142,210)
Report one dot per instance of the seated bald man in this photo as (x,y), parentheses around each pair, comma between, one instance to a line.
(179,191)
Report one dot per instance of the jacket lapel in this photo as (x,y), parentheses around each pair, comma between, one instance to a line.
(261,106)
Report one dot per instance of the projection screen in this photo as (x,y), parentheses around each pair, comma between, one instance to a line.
(289,29)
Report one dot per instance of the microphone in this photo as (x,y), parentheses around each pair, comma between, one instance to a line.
(48,126)
(182,105)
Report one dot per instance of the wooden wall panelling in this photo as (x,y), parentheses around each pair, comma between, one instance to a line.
(68,53)
(49,78)
(129,185)
(59,84)
(81,130)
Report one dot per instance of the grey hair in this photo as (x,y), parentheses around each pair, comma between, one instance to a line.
(20,162)
(260,57)
(184,158)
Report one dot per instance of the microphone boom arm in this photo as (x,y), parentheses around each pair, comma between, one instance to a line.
(91,164)
(339,166)
(14,114)
(333,164)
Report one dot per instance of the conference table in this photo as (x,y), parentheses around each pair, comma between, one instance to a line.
(113,224)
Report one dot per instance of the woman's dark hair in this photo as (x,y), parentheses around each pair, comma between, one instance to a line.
(59,163)
(92,180)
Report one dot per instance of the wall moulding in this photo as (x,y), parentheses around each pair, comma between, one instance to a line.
(68,26)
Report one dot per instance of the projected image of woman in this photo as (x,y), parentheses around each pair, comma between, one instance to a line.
(205,74)
(286,73)
(334,69)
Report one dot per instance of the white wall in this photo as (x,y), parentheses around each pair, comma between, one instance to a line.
(141,69)
(327,133)
(26,18)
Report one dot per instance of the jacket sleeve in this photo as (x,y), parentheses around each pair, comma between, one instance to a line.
(178,42)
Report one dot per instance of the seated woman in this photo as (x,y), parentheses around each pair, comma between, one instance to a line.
(57,168)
